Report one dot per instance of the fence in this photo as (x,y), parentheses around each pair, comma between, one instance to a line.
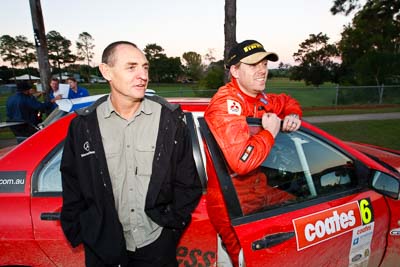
(307,96)
(315,96)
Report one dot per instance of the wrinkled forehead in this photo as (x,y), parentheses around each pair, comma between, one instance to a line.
(127,54)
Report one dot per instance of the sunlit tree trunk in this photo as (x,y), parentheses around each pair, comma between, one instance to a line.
(229,30)
(41,45)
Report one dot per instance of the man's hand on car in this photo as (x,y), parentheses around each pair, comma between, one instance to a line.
(291,123)
(271,122)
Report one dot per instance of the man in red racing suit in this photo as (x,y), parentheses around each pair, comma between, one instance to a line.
(226,117)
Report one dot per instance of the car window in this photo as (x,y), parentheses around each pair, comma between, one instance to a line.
(49,177)
(298,168)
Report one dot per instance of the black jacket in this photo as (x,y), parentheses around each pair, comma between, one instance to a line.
(88,213)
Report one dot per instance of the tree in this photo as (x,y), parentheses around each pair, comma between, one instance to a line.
(153,51)
(84,47)
(370,46)
(59,52)
(9,51)
(209,56)
(169,68)
(26,52)
(229,30)
(154,54)
(315,56)
(162,68)
(41,45)
(212,80)
(344,6)
(6,73)
(282,71)
(193,66)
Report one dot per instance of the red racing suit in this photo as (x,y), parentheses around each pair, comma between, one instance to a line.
(244,153)
(226,117)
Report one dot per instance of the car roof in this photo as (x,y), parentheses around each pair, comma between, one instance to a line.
(70,105)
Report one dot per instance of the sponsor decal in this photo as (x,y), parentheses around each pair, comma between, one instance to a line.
(356,258)
(395,231)
(361,245)
(86,147)
(195,257)
(246,153)
(324,225)
(233,107)
(251,47)
(264,101)
(12,182)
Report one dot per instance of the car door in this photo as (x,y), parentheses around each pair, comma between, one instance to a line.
(197,246)
(46,205)
(307,205)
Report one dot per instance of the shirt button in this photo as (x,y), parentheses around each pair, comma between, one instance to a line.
(128,146)
(132,210)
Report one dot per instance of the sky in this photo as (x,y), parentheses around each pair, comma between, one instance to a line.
(179,26)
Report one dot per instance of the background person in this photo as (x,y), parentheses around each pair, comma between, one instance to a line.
(226,116)
(128,174)
(76,91)
(24,107)
(54,93)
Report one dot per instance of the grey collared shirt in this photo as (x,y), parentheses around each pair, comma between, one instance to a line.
(129,147)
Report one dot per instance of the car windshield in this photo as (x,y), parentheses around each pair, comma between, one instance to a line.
(52,117)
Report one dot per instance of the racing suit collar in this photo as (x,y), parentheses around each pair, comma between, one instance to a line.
(247,98)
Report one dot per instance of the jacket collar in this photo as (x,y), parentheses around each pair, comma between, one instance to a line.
(89,109)
(144,108)
(249,99)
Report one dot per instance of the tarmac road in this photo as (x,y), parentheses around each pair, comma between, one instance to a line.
(353,117)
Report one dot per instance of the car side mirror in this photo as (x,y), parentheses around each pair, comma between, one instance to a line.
(386,185)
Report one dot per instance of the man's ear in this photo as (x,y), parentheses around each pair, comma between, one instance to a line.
(105,71)
(234,71)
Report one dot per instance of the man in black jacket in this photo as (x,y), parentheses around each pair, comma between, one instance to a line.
(129,179)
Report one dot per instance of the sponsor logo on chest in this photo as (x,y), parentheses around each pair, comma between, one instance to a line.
(233,107)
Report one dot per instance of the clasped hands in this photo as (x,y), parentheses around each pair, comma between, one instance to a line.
(272,123)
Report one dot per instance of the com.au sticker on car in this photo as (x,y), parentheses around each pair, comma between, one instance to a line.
(12,181)
(318,227)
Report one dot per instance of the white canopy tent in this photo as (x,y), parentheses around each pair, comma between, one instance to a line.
(25,77)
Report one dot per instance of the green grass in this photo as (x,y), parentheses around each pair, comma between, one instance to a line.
(308,96)
(314,101)
(343,110)
(383,133)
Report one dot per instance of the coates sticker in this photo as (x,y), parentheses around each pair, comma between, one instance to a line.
(12,182)
(324,225)
(234,107)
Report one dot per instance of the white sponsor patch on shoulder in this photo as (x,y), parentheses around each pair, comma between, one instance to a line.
(233,107)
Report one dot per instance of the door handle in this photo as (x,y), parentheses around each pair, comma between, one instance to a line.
(271,240)
(50,216)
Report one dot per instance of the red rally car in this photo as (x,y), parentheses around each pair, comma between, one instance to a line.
(344,210)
